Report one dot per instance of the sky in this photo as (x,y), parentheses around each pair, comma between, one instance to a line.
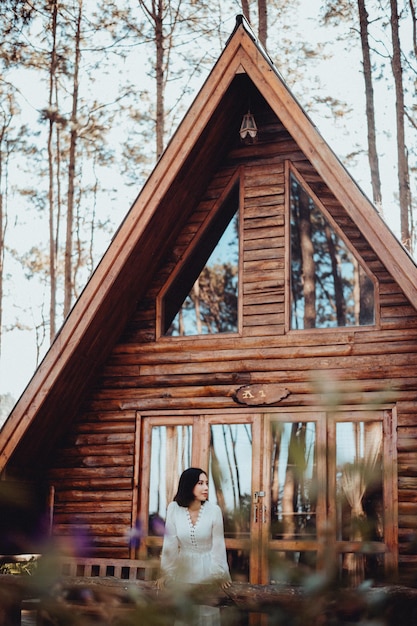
(340,77)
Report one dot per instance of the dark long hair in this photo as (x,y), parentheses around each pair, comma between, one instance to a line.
(188,480)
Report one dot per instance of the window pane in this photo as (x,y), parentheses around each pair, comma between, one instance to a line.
(359,483)
(329,288)
(203,297)
(170,456)
(230,472)
(293,480)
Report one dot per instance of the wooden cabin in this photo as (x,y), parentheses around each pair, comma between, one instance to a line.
(253,316)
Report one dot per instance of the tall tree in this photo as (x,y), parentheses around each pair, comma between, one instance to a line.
(6,115)
(14,144)
(245,9)
(52,109)
(402,160)
(343,10)
(414,25)
(163,17)
(14,16)
(263,22)
(262,18)
(74,130)
(370,105)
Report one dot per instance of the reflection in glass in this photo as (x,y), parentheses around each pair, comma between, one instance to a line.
(211,305)
(359,476)
(293,480)
(329,288)
(170,456)
(202,298)
(230,472)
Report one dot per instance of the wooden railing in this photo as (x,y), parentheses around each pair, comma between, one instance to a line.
(125,569)
(105,580)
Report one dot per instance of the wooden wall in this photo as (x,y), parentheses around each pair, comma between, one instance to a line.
(93,472)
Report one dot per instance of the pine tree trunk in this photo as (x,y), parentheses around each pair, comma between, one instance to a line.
(370,108)
(403,179)
(309,269)
(2,230)
(263,22)
(245,9)
(414,19)
(3,212)
(337,279)
(68,285)
(160,99)
(51,175)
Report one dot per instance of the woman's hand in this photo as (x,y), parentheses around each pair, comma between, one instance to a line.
(160,583)
(225,584)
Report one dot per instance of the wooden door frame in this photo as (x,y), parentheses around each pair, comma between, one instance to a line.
(318,544)
(326,542)
(388,420)
(142,463)
(200,421)
(260,468)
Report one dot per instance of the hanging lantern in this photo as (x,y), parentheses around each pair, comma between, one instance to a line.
(248,128)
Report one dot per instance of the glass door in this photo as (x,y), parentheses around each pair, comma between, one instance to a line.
(362,493)
(165,451)
(228,448)
(234,462)
(328,495)
(294,496)
(299,491)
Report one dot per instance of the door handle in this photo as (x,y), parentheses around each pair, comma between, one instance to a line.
(256,496)
(255,514)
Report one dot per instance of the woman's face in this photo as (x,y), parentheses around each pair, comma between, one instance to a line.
(200,491)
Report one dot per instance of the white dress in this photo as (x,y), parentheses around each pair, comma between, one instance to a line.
(194,553)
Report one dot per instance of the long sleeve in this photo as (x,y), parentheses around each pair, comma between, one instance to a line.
(171,545)
(194,553)
(220,567)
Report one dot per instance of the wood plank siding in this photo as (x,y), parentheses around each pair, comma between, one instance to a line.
(94,470)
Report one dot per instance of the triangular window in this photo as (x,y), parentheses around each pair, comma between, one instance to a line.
(329,286)
(202,298)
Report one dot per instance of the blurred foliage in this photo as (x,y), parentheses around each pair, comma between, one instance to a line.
(308,599)
(19,567)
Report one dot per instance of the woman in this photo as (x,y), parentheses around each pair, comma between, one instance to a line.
(194,551)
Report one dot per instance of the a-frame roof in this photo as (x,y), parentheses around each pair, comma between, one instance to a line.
(182,173)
